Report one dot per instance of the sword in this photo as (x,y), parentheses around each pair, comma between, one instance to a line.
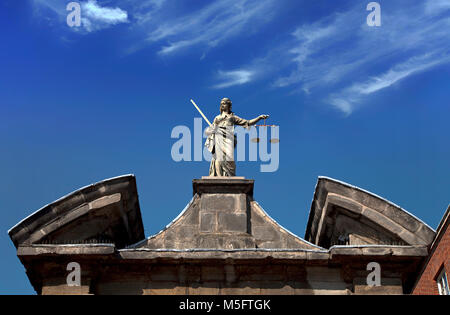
(201,113)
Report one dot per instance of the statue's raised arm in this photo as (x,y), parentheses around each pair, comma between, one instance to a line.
(255,120)
(221,139)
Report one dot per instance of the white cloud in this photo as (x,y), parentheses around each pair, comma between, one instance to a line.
(336,59)
(437,6)
(399,72)
(146,10)
(94,17)
(234,77)
(259,68)
(341,61)
(170,28)
(348,99)
(57,7)
(211,25)
(344,105)
(104,14)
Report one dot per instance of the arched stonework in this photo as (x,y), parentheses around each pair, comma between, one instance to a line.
(223,215)
(222,243)
(104,212)
(342,214)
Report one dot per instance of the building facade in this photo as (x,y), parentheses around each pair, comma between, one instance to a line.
(433,279)
(223,242)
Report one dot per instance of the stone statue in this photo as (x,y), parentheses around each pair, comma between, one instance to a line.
(221,139)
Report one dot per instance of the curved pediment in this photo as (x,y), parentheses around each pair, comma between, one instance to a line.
(342,214)
(223,215)
(107,211)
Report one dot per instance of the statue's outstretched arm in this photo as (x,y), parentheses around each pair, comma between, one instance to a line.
(255,120)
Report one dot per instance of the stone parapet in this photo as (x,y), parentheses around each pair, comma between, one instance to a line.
(230,185)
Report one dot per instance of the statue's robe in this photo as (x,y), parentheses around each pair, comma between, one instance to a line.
(221,143)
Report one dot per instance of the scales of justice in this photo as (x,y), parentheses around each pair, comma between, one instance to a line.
(221,139)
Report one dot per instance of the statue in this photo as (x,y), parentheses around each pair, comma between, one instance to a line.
(221,139)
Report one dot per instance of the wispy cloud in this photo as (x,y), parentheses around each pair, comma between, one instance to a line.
(211,25)
(332,55)
(350,98)
(234,77)
(337,59)
(146,12)
(339,56)
(259,68)
(157,24)
(437,6)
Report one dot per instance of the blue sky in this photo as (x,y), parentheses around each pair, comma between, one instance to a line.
(365,105)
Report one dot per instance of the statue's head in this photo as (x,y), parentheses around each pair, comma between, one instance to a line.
(225,105)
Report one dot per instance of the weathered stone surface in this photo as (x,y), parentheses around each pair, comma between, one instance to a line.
(381,220)
(78,249)
(376,251)
(232,222)
(224,243)
(391,286)
(164,288)
(192,217)
(268,272)
(218,202)
(241,203)
(323,274)
(186,232)
(79,216)
(64,289)
(208,222)
(242,288)
(345,203)
(269,234)
(213,273)
(272,288)
(209,288)
(317,255)
(392,225)
(425,234)
(164,273)
(223,185)
(121,287)
(266,233)
(228,218)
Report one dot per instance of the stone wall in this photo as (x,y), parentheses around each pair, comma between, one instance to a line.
(223,242)
(374,220)
(223,215)
(228,279)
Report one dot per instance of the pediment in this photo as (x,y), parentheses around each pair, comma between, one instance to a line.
(223,215)
(105,212)
(342,214)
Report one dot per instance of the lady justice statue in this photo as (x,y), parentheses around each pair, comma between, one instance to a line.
(221,139)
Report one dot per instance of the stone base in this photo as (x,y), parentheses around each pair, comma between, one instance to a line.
(223,177)
(223,185)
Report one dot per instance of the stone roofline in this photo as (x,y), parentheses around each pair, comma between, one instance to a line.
(100,227)
(221,215)
(109,250)
(107,210)
(338,201)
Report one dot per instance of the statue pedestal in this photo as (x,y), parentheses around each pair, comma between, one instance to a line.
(223,177)
(223,185)
(224,204)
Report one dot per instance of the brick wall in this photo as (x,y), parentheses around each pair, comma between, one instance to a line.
(440,257)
